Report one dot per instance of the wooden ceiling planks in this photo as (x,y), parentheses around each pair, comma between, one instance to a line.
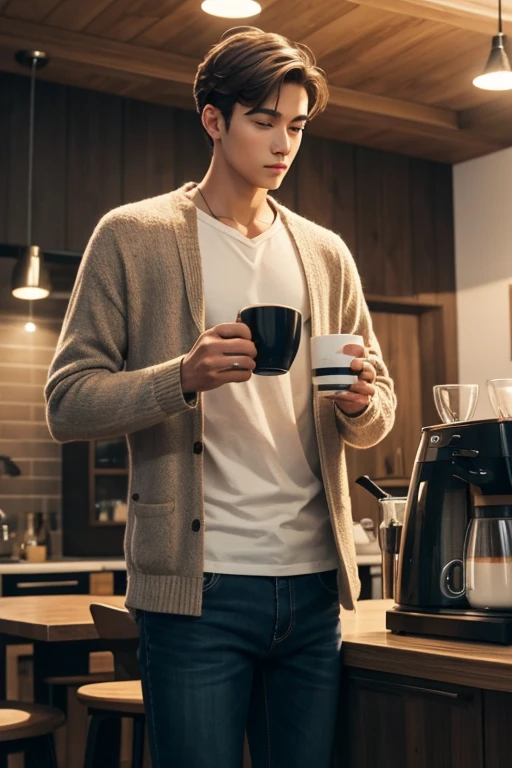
(36,10)
(400,70)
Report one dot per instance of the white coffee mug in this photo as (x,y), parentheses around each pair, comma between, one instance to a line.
(331,366)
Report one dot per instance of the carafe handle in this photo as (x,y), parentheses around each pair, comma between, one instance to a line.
(444,581)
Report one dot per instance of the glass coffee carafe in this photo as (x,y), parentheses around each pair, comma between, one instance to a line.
(485,574)
(391,514)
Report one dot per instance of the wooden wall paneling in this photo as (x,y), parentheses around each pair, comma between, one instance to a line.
(445,248)
(443,225)
(18,161)
(433,343)
(50,192)
(368,186)
(314,180)
(192,153)
(423,237)
(396,226)
(343,202)
(148,150)
(94,172)
(325,186)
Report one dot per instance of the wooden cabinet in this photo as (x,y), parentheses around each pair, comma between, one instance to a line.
(391,721)
(94,495)
(108,481)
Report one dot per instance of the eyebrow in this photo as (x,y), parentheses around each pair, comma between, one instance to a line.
(273,113)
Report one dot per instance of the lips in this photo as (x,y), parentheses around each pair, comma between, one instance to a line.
(277,167)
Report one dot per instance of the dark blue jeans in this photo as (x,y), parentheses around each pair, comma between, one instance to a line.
(264,657)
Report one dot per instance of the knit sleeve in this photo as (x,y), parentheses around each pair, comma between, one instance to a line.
(376,421)
(89,394)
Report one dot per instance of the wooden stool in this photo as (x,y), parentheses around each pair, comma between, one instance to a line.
(29,728)
(70,741)
(110,702)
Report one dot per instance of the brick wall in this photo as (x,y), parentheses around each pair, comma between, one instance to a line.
(24,436)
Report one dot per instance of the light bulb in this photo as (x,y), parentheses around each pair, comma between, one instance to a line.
(231,9)
(30,327)
(494,81)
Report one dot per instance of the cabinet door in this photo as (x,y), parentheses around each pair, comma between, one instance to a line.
(498,729)
(389,721)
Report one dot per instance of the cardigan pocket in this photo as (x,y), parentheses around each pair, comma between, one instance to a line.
(151,543)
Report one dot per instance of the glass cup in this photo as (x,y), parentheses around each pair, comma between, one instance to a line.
(500,395)
(455,402)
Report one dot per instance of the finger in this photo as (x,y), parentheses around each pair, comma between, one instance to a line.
(361,387)
(233,331)
(234,364)
(352,398)
(353,349)
(242,347)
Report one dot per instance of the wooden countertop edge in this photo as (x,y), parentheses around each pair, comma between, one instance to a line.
(430,665)
(48,633)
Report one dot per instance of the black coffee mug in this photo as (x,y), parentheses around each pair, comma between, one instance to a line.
(276,332)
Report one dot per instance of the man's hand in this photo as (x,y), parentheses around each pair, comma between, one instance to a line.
(356,399)
(209,364)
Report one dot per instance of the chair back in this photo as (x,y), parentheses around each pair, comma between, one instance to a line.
(119,634)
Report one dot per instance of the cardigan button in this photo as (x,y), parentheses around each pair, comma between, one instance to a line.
(196,525)
(135,496)
(198,447)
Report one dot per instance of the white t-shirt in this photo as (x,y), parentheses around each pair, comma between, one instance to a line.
(265,508)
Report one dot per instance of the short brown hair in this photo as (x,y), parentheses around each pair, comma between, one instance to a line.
(248,65)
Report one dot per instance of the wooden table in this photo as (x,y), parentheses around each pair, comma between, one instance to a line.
(61,629)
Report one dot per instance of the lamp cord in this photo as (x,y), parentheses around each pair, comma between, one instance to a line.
(31,149)
(500,26)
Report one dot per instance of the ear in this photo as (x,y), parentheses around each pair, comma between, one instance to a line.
(212,121)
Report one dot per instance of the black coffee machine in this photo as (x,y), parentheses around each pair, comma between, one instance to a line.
(462,470)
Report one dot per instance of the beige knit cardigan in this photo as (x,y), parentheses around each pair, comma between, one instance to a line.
(136,309)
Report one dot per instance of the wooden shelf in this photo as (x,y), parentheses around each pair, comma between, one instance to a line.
(106,471)
(400,304)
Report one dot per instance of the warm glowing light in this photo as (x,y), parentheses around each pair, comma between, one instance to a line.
(494,81)
(30,293)
(30,327)
(231,9)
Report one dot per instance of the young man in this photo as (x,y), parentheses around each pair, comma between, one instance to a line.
(239,541)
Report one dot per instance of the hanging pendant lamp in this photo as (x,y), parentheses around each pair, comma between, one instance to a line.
(497,74)
(30,277)
(231,9)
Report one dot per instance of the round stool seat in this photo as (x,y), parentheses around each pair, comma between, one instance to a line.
(119,696)
(21,720)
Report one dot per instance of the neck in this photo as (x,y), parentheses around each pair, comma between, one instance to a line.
(229,195)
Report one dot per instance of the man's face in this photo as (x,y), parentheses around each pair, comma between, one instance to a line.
(261,145)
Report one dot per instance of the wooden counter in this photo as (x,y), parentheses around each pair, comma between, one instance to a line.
(417,702)
(367,644)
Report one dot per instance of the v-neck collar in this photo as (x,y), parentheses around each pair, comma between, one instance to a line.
(276,225)
(183,217)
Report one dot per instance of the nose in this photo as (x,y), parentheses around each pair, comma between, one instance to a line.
(282,144)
